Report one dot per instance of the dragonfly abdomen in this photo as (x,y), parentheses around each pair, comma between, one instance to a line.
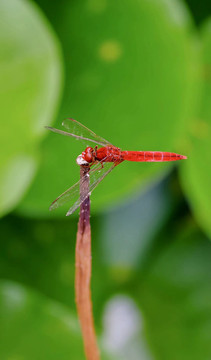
(151,156)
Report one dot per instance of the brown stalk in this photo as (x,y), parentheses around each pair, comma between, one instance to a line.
(83,274)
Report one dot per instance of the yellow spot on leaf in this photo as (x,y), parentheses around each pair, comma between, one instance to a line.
(110,51)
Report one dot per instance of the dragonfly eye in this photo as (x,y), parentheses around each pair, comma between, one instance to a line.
(88,154)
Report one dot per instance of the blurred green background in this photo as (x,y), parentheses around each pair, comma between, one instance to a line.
(138,73)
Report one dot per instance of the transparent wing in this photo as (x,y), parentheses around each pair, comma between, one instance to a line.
(82,132)
(79,131)
(72,195)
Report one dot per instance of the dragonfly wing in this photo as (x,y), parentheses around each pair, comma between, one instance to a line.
(80,131)
(79,137)
(72,195)
(60,131)
(96,175)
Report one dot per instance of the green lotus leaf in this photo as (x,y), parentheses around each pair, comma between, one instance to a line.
(30,72)
(196,175)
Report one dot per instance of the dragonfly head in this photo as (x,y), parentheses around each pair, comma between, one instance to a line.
(89,154)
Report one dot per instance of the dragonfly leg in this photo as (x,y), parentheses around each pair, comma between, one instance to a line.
(95,149)
(102,166)
(117,162)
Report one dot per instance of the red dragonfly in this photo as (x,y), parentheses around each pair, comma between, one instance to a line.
(102,161)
